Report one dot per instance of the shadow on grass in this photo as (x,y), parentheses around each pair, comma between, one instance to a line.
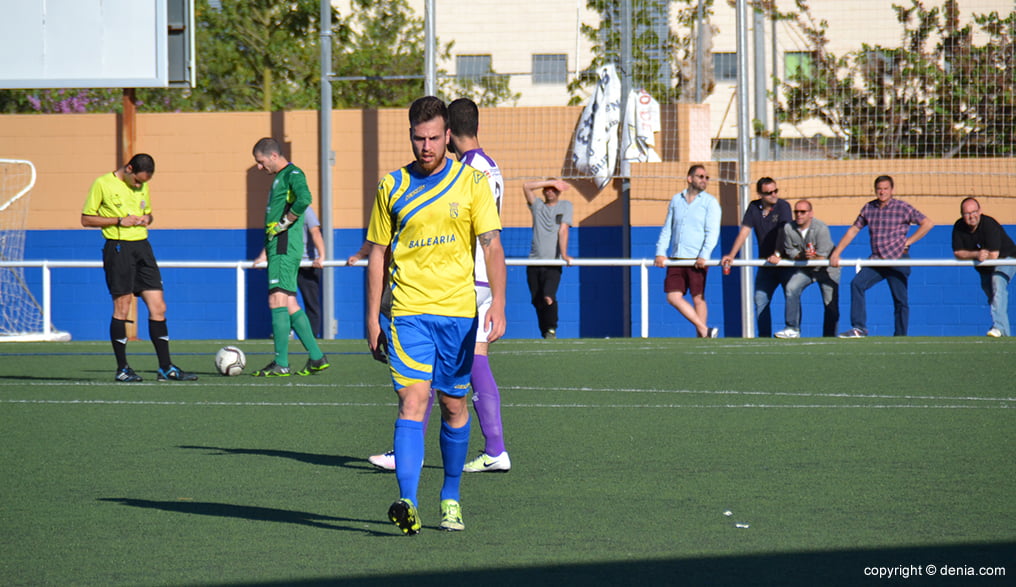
(303,457)
(38,378)
(358,463)
(953,565)
(258,514)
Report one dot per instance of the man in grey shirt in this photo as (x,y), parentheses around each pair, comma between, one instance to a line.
(808,239)
(552,217)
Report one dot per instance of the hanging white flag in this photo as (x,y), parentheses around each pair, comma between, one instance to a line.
(594,149)
(641,123)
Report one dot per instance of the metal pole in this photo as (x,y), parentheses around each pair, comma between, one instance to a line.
(241,302)
(700,40)
(627,67)
(327,160)
(774,145)
(743,161)
(47,300)
(761,103)
(430,51)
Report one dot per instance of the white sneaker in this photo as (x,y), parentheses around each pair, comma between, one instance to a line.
(995,333)
(486,463)
(384,461)
(788,333)
(714,332)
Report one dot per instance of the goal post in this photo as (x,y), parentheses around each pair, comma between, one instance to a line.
(21,316)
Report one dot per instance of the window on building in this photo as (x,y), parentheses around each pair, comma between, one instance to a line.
(472,66)
(725,66)
(798,63)
(550,69)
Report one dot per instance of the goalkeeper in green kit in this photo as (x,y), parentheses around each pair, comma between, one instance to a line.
(287,201)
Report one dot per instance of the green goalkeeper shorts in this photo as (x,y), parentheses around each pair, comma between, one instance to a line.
(282,270)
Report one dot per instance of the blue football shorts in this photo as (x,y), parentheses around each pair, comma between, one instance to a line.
(438,349)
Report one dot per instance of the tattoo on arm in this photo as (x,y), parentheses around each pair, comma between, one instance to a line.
(487,237)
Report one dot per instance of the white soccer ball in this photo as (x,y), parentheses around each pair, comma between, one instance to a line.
(230,361)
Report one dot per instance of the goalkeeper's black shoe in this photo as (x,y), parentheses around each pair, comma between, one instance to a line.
(174,373)
(313,367)
(127,375)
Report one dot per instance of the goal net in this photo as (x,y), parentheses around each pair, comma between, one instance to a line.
(21,316)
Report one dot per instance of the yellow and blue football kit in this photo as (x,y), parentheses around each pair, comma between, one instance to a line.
(431,223)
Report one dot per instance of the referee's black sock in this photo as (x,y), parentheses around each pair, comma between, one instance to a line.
(118,336)
(159,333)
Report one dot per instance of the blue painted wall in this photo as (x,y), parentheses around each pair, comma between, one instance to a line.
(943,300)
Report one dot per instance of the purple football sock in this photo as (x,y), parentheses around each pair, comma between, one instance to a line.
(487,402)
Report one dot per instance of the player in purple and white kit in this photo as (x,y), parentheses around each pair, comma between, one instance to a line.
(463,120)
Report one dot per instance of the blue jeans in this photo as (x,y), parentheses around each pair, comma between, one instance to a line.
(995,284)
(829,281)
(767,279)
(869,276)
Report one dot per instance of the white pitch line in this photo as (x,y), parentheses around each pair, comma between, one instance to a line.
(765,393)
(203,384)
(508,405)
(386,388)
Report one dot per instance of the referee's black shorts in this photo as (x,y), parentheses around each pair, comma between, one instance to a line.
(130,267)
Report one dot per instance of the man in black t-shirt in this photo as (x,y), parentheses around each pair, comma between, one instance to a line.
(977,237)
(766,217)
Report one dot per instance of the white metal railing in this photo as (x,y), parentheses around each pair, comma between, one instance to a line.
(241,268)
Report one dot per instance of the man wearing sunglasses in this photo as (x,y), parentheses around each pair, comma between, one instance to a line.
(766,217)
(807,239)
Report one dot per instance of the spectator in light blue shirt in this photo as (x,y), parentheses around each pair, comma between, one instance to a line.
(691,231)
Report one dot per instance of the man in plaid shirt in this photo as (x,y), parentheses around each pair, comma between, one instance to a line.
(889,221)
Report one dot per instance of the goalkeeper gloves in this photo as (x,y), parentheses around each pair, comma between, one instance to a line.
(274,229)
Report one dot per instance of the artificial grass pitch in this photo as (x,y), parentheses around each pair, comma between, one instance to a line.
(721,461)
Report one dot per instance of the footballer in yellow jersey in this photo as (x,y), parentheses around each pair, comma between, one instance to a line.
(431,214)
(431,223)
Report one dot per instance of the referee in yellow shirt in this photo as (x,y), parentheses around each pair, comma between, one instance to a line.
(119,204)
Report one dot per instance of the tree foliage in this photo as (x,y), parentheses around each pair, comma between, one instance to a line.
(937,94)
(264,55)
(661,59)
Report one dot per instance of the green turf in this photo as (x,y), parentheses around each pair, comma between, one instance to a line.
(837,455)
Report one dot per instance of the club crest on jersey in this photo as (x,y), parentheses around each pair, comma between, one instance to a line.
(453,209)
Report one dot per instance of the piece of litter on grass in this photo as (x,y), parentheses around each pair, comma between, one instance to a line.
(728,513)
(740,525)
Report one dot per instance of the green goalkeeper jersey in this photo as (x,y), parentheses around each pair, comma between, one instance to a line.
(289,194)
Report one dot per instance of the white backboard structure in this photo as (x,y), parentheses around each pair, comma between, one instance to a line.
(92,43)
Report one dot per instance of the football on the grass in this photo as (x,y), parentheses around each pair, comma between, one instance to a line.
(230,361)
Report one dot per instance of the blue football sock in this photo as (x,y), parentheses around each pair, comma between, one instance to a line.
(454,449)
(408,457)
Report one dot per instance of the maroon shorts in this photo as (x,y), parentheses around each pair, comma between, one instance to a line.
(684,279)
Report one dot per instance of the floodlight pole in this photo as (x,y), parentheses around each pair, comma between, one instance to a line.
(128,138)
(743,162)
(627,68)
(327,160)
(430,49)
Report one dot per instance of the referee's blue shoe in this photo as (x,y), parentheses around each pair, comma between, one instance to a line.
(175,374)
(127,375)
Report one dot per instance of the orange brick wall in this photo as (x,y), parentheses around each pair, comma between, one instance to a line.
(205,176)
